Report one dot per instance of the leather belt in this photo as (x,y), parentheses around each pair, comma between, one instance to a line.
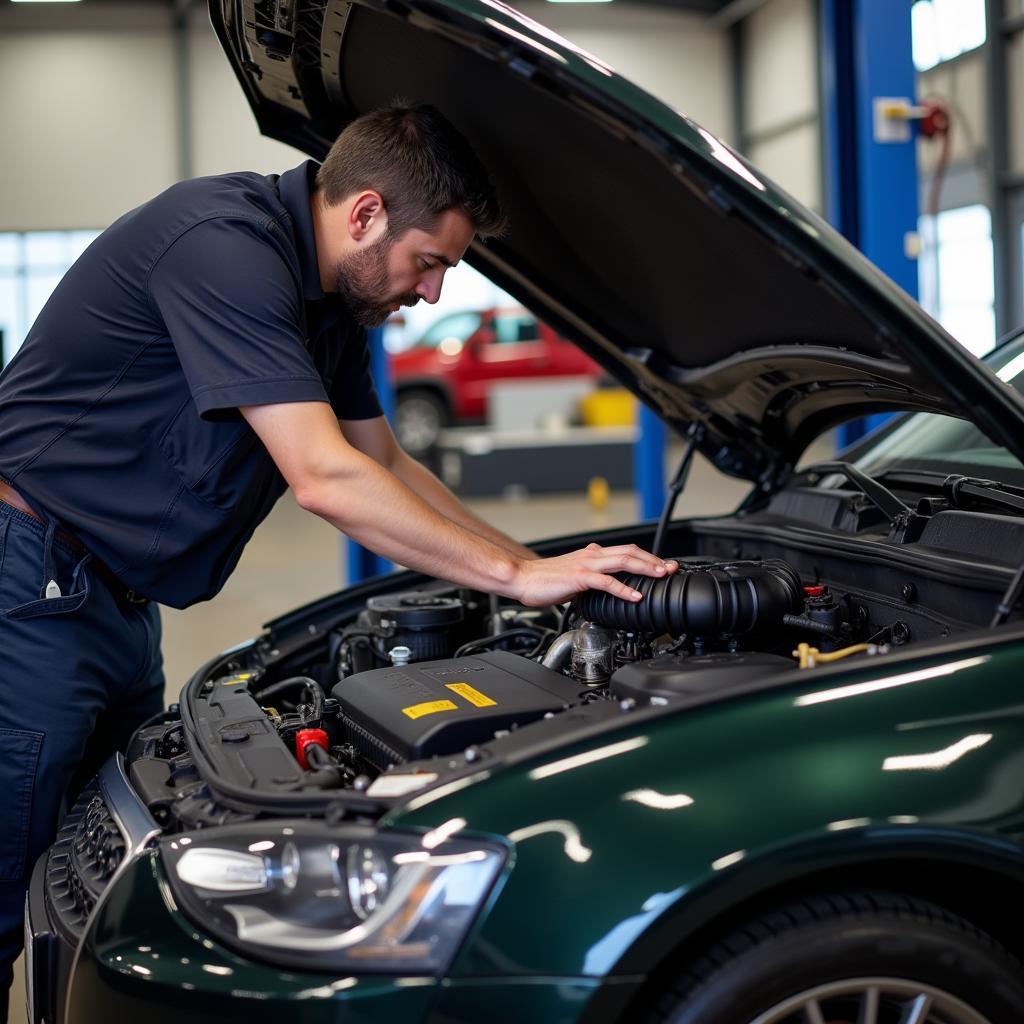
(10,496)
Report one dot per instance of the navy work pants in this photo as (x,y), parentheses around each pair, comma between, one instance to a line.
(78,674)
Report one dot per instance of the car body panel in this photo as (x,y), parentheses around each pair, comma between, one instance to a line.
(779,789)
(721,301)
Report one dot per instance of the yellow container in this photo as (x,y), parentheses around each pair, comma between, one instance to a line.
(608,407)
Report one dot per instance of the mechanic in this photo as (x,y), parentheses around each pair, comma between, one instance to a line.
(207,351)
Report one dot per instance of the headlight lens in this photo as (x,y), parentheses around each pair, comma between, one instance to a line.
(344,898)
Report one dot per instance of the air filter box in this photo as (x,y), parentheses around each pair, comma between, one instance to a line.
(423,710)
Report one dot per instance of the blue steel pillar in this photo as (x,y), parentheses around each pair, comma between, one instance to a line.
(870,186)
(649,464)
(361,562)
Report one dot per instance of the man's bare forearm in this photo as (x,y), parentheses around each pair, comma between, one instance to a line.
(421,481)
(361,496)
(380,511)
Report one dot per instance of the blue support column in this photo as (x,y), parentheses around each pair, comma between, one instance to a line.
(361,562)
(649,464)
(871,186)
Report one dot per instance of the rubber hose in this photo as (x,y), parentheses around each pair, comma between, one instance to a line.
(316,705)
(705,599)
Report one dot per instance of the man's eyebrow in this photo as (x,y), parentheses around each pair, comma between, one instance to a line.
(442,259)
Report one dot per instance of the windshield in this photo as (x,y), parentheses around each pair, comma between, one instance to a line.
(457,328)
(944,445)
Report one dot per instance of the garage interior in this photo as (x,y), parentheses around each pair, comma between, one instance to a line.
(108,102)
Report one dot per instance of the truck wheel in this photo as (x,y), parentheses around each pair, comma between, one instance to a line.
(850,958)
(420,416)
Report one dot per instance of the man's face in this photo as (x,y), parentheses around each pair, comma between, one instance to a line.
(389,273)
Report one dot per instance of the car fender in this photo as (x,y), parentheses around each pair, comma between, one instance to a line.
(615,832)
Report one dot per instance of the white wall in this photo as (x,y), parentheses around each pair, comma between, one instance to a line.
(780,96)
(90,114)
(681,58)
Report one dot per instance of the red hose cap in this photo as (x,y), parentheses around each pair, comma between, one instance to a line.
(304,737)
(816,591)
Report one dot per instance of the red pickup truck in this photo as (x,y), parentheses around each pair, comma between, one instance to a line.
(447,375)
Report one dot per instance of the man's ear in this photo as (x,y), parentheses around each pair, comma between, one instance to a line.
(367,218)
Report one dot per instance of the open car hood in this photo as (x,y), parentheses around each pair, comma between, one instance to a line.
(703,287)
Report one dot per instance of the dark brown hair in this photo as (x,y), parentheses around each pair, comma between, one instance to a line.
(419,163)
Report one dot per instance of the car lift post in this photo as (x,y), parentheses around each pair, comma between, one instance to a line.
(649,464)
(361,563)
(870,160)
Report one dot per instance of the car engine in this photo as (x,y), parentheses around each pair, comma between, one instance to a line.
(409,685)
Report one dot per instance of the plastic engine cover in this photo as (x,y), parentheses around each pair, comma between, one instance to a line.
(440,707)
(688,676)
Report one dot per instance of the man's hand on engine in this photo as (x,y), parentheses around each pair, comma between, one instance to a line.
(553,580)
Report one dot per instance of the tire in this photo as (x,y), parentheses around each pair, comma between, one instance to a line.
(420,416)
(819,961)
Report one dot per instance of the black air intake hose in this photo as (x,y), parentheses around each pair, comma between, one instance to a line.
(702,599)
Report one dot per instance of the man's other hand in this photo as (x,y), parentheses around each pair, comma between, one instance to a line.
(553,580)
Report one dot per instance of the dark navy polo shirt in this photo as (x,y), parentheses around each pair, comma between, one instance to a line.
(119,415)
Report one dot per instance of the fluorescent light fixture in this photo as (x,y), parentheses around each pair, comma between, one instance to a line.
(938,758)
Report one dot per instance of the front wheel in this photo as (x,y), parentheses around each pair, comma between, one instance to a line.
(851,958)
(420,416)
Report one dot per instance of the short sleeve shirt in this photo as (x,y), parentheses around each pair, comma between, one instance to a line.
(119,415)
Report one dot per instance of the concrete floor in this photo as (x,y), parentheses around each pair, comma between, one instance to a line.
(295,557)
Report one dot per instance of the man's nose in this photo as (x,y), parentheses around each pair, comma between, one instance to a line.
(429,289)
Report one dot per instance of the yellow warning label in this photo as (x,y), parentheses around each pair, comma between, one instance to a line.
(429,708)
(474,696)
(237,679)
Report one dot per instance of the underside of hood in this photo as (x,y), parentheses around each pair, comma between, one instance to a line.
(709,292)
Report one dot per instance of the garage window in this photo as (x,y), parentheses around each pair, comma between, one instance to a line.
(943,29)
(31,264)
(955,274)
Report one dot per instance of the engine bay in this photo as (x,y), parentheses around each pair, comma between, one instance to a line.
(406,688)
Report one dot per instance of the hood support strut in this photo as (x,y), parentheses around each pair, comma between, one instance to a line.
(694,436)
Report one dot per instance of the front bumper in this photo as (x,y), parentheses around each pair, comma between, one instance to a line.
(106,939)
(104,832)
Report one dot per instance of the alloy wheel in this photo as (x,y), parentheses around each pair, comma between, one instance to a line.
(872,1001)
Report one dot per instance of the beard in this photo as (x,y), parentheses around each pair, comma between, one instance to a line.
(361,280)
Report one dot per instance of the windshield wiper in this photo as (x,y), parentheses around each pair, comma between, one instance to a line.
(963,492)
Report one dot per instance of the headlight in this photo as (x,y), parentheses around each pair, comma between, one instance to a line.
(338,898)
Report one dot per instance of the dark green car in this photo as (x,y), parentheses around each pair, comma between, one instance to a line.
(785,788)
